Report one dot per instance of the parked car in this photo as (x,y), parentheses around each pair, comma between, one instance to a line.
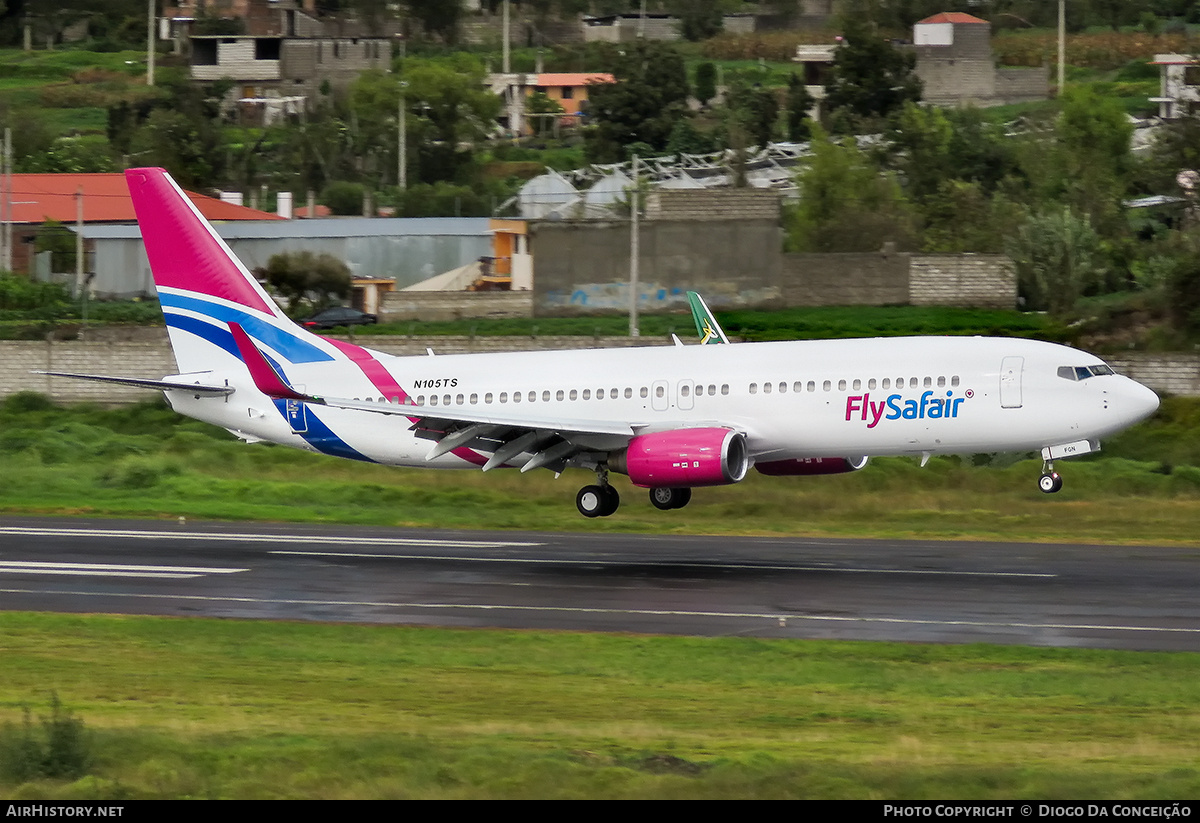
(339,316)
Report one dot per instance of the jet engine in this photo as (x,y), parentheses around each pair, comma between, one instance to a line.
(810,466)
(683,458)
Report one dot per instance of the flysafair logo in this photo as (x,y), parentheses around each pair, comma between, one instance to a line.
(862,407)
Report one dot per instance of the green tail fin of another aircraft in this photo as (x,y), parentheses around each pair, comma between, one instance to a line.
(707,327)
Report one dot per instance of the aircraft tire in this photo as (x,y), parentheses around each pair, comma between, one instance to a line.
(591,501)
(612,500)
(1050,483)
(667,499)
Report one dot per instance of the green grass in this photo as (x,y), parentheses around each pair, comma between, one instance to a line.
(228,708)
(146,461)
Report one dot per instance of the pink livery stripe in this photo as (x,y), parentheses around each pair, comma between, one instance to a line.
(387,386)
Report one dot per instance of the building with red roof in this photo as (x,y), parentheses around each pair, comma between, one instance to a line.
(957,68)
(103,198)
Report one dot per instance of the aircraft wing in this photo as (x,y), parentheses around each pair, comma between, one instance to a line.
(178,384)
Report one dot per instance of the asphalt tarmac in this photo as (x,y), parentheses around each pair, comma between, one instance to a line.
(1127,597)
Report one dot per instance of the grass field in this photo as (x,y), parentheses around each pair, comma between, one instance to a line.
(204,708)
(147,461)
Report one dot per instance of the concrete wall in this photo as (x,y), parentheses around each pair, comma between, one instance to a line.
(1169,373)
(712,204)
(1021,84)
(454,305)
(583,267)
(845,279)
(983,280)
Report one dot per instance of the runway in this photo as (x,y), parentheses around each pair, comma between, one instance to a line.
(923,591)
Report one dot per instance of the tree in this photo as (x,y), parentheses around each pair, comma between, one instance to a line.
(1057,257)
(755,108)
(798,108)
(706,83)
(698,19)
(302,275)
(870,78)
(649,95)
(847,204)
(438,17)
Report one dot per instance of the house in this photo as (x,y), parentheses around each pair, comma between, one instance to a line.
(567,90)
(1180,92)
(94,200)
(957,68)
(626,28)
(286,58)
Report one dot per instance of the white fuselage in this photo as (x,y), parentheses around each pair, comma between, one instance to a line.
(849,398)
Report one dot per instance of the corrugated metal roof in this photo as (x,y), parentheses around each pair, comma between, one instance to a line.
(333,227)
(38,197)
(952,17)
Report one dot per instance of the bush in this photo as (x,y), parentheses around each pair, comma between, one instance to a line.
(60,749)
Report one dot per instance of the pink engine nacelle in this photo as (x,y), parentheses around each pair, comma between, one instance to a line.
(810,465)
(684,458)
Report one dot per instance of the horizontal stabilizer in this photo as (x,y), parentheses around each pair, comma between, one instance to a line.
(266,379)
(140,383)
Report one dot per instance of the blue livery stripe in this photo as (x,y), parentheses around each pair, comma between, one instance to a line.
(217,335)
(291,346)
(321,437)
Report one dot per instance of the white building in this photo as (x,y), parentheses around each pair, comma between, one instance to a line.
(1179,95)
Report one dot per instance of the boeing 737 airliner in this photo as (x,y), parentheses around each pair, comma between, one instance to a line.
(671,418)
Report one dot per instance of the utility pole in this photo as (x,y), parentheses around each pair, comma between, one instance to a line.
(1062,45)
(5,203)
(150,42)
(79,286)
(402,148)
(635,243)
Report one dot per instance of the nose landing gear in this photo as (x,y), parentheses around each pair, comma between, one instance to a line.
(1049,482)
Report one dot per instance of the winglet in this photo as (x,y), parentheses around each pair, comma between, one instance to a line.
(707,327)
(266,379)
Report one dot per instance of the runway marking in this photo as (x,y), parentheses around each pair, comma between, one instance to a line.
(654,564)
(769,616)
(265,538)
(110,570)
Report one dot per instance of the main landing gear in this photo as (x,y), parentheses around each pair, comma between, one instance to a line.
(666,499)
(600,500)
(597,501)
(1049,482)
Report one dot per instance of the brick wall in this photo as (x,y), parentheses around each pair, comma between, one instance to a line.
(712,204)
(982,280)
(454,305)
(1018,84)
(845,279)
(1169,373)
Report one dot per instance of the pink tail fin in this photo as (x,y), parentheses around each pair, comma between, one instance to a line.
(184,252)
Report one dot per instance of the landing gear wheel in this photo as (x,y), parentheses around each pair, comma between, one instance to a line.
(590,501)
(667,499)
(611,501)
(597,501)
(1050,483)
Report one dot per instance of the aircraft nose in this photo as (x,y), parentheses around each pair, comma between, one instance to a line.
(1139,402)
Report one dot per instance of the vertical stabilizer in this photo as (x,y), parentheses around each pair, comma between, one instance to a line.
(707,327)
(203,287)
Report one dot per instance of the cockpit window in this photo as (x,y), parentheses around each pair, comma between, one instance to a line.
(1083,372)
